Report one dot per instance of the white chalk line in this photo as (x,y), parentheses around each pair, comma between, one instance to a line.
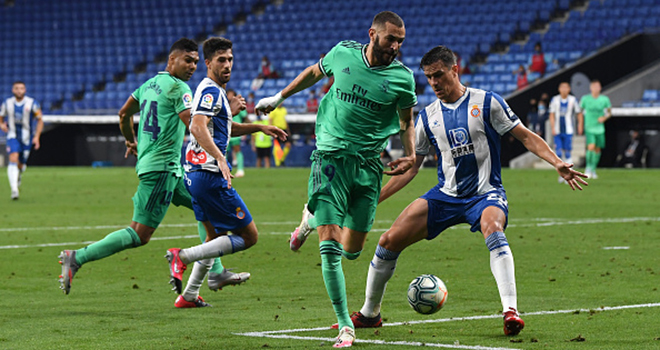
(282,334)
(546,222)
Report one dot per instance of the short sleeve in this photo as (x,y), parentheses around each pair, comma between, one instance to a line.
(36,107)
(136,94)
(3,109)
(327,61)
(582,101)
(408,98)
(577,108)
(422,142)
(553,106)
(608,103)
(183,98)
(207,99)
(502,117)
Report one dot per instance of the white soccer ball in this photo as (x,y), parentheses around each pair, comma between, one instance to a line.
(427,294)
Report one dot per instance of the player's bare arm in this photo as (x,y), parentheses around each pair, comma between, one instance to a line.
(3,125)
(580,123)
(401,165)
(37,133)
(535,144)
(608,115)
(307,78)
(237,104)
(551,119)
(396,183)
(240,129)
(185,117)
(130,107)
(199,129)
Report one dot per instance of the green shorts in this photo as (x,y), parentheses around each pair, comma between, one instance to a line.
(343,189)
(234,141)
(154,194)
(596,139)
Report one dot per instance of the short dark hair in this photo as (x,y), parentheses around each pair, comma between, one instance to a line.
(184,44)
(213,45)
(17,82)
(387,16)
(595,81)
(231,90)
(438,53)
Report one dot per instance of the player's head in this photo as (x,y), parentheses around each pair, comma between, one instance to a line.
(386,35)
(231,94)
(183,58)
(441,71)
(18,89)
(595,87)
(219,59)
(564,89)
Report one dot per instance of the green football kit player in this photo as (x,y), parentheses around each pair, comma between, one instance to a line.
(164,103)
(235,142)
(597,109)
(371,99)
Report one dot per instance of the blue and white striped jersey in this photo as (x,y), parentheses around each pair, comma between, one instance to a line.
(210,100)
(565,111)
(466,137)
(19,117)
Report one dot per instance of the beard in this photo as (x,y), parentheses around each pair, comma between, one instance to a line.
(384,56)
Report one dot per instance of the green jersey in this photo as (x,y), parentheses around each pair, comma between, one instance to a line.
(160,134)
(593,109)
(359,113)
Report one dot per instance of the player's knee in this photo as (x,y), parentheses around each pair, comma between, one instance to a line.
(488,228)
(389,240)
(250,239)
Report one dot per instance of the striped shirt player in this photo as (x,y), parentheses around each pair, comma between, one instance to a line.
(204,180)
(564,111)
(20,112)
(463,126)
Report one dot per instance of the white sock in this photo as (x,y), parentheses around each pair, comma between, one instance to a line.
(220,246)
(196,279)
(380,271)
(12,174)
(502,267)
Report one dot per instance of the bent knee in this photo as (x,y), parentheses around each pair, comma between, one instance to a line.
(390,240)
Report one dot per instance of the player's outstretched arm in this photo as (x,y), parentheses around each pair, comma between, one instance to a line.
(310,76)
(535,144)
(199,129)
(398,182)
(237,104)
(240,129)
(130,107)
(37,133)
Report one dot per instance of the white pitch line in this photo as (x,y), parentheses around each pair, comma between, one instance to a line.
(378,342)
(616,248)
(282,334)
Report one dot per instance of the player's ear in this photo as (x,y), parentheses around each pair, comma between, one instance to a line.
(372,34)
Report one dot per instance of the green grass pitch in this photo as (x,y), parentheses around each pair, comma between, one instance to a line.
(559,239)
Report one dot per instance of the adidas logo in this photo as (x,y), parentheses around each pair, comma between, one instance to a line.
(346,70)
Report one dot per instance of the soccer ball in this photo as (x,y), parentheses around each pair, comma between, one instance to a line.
(427,294)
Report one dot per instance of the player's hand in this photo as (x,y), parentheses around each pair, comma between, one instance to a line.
(36,143)
(400,166)
(237,104)
(3,127)
(573,177)
(131,148)
(274,131)
(268,104)
(224,170)
(602,120)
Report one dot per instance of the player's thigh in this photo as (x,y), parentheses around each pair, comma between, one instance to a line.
(409,228)
(14,149)
(364,193)
(152,197)
(488,212)
(600,142)
(444,211)
(181,196)
(328,189)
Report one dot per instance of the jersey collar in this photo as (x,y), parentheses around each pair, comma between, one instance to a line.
(366,61)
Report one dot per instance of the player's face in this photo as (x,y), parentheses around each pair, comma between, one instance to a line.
(18,90)
(220,65)
(184,64)
(564,89)
(386,42)
(443,80)
(595,88)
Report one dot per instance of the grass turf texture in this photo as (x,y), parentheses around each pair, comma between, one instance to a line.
(124,301)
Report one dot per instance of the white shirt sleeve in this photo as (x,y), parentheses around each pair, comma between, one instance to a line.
(554,105)
(422,143)
(502,117)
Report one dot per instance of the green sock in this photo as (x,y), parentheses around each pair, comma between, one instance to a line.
(333,275)
(217,264)
(596,159)
(311,222)
(589,160)
(113,243)
(239,160)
